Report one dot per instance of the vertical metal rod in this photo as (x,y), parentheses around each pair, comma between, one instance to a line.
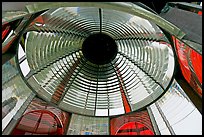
(165,119)
(96,91)
(108,99)
(87,95)
(153,121)
(100,17)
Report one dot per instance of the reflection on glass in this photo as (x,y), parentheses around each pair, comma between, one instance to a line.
(138,73)
(136,123)
(134,128)
(175,113)
(9,70)
(14,92)
(41,118)
(8,105)
(83,125)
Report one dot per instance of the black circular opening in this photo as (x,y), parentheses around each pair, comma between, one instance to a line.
(99,48)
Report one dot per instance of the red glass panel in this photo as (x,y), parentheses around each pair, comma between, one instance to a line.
(186,55)
(39,20)
(200,13)
(182,52)
(132,124)
(134,128)
(5,31)
(42,119)
(39,122)
(124,97)
(196,60)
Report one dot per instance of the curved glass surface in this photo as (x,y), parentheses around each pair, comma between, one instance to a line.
(175,113)
(134,128)
(136,123)
(85,125)
(14,92)
(40,118)
(140,72)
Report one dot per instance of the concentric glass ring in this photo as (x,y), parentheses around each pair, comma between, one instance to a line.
(137,76)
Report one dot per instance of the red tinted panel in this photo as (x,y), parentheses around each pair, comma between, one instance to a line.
(182,52)
(38,122)
(124,98)
(134,128)
(196,60)
(200,13)
(189,58)
(39,20)
(5,31)
(41,118)
(131,124)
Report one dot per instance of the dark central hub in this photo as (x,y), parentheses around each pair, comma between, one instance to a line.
(99,48)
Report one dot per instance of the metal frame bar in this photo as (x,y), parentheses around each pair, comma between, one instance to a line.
(154,124)
(165,119)
(186,5)
(8,130)
(121,6)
